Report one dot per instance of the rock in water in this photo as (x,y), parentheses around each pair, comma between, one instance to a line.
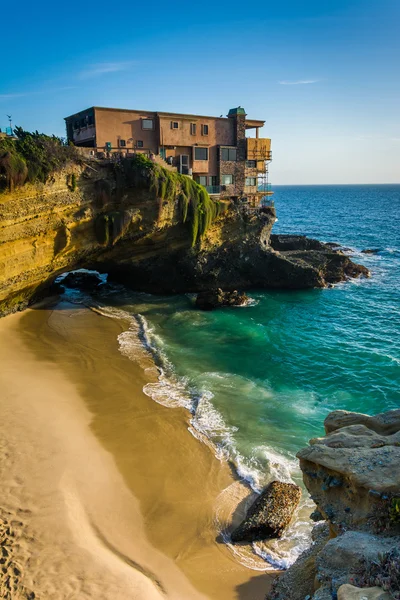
(82,280)
(216,298)
(270,514)
(370,251)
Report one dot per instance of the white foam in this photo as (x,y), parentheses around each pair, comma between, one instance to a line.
(139,342)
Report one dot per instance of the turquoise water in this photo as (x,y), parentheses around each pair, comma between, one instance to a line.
(260,380)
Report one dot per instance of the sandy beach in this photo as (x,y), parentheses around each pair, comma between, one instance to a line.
(105,494)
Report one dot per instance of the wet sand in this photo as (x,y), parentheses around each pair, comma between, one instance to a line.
(114,497)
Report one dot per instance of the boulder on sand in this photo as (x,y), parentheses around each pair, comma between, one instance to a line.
(270,514)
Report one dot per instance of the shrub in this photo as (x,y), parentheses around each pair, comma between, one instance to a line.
(384,573)
(33,157)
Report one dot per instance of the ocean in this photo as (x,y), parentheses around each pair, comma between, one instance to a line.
(259,380)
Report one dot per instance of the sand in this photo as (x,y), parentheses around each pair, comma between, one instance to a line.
(104,493)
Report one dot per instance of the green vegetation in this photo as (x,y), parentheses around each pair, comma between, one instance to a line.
(395,510)
(32,157)
(109,227)
(197,208)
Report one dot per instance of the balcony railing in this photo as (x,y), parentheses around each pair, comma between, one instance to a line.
(213,189)
(265,187)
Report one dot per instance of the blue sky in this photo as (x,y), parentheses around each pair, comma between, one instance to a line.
(325,75)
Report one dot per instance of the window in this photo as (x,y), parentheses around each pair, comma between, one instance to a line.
(122,143)
(204,129)
(251,181)
(76,124)
(193,128)
(251,164)
(139,144)
(174,125)
(147,124)
(227,179)
(201,153)
(212,180)
(202,180)
(228,154)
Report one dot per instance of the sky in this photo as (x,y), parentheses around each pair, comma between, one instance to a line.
(323,74)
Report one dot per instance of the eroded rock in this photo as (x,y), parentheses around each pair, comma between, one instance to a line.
(82,280)
(217,298)
(353,473)
(349,592)
(353,476)
(270,514)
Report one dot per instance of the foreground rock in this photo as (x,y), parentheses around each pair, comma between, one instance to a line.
(353,473)
(270,514)
(353,476)
(217,298)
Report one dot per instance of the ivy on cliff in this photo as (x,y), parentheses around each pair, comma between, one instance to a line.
(32,157)
(197,208)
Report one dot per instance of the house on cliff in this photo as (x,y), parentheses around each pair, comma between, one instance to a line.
(216,151)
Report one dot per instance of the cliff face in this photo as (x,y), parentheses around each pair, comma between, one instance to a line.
(112,223)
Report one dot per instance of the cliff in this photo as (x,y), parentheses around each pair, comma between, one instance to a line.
(154,230)
(353,476)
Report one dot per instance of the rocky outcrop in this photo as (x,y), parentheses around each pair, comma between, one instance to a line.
(217,298)
(112,222)
(270,514)
(82,280)
(353,473)
(349,592)
(353,476)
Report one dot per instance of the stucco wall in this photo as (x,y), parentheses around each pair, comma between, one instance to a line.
(113,125)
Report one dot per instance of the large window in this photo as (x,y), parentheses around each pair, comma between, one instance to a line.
(251,164)
(202,180)
(228,154)
(200,153)
(147,124)
(251,181)
(227,179)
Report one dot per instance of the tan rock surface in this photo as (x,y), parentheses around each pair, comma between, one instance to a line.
(349,592)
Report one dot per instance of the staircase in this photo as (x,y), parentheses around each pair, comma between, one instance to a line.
(163,163)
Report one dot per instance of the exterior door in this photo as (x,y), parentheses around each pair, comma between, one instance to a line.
(184,164)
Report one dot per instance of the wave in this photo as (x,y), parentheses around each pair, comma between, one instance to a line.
(140,343)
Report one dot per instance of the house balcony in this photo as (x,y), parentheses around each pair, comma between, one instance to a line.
(213,190)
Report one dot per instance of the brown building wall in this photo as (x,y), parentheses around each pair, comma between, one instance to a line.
(220,132)
(113,125)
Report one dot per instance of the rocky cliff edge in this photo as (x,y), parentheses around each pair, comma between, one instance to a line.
(353,476)
(153,230)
